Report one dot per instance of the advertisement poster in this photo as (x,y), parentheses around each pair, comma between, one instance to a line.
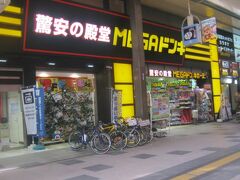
(236,39)
(29,108)
(209,29)
(237,55)
(40,112)
(160,107)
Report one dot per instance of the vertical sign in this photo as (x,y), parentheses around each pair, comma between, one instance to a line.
(209,29)
(29,108)
(191,35)
(236,39)
(225,45)
(40,112)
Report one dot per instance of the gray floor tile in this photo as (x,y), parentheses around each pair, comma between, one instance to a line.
(144,156)
(213,149)
(235,140)
(97,167)
(232,137)
(205,133)
(70,162)
(179,152)
(30,165)
(83,177)
(114,153)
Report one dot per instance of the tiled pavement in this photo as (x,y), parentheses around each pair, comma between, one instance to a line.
(184,149)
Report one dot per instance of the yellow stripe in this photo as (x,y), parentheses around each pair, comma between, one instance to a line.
(201,46)
(192,57)
(9,20)
(208,168)
(197,51)
(13,9)
(9,32)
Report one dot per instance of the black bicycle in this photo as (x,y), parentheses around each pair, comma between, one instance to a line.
(99,142)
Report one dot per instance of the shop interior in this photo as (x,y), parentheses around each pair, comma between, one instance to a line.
(69,97)
(180,100)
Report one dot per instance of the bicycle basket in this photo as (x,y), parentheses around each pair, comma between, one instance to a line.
(132,122)
(144,122)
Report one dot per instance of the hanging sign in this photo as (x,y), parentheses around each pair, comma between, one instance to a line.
(29,108)
(39,92)
(225,64)
(225,45)
(191,35)
(209,29)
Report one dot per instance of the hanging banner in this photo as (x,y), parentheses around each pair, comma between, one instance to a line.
(29,108)
(209,29)
(191,35)
(39,92)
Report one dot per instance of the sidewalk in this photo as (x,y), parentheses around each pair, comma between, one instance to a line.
(184,148)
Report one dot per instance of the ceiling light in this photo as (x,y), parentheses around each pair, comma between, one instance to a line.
(74,75)
(43,74)
(90,65)
(3,60)
(51,64)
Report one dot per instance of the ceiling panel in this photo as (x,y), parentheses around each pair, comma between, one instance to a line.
(226,11)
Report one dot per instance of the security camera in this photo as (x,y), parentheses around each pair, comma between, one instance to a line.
(4,4)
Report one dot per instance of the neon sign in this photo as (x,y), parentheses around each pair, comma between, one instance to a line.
(48,25)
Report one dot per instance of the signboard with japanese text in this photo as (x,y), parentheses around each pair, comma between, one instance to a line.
(177,74)
(225,45)
(29,108)
(225,64)
(191,35)
(40,109)
(66,28)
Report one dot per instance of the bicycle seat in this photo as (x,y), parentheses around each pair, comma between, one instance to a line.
(107,125)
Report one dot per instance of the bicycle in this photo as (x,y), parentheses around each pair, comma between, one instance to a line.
(98,141)
(118,138)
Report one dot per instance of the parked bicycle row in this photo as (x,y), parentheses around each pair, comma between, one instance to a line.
(101,138)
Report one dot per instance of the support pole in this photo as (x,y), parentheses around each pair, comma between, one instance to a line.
(138,59)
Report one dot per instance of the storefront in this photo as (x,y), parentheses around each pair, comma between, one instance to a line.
(72,50)
(229,67)
(185,90)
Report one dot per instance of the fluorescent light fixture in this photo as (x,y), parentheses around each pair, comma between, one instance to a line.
(51,64)
(235,81)
(43,74)
(3,60)
(90,65)
(228,80)
(74,75)
(160,79)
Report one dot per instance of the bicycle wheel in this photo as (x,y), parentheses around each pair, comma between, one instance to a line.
(118,140)
(100,143)
(133,138)
(75,140)
(143,137)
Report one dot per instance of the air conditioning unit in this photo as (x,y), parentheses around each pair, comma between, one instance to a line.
(4,4)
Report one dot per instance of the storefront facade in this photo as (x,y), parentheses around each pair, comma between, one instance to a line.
(85,49)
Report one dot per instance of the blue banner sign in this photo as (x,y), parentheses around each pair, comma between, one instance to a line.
(39,92)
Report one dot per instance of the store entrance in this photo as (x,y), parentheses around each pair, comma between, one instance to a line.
(178,99)
(69,98)
(11,118)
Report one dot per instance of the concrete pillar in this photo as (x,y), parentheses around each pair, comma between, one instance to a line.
(138,58)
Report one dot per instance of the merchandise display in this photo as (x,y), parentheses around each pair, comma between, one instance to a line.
(183,97)
(68,102)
